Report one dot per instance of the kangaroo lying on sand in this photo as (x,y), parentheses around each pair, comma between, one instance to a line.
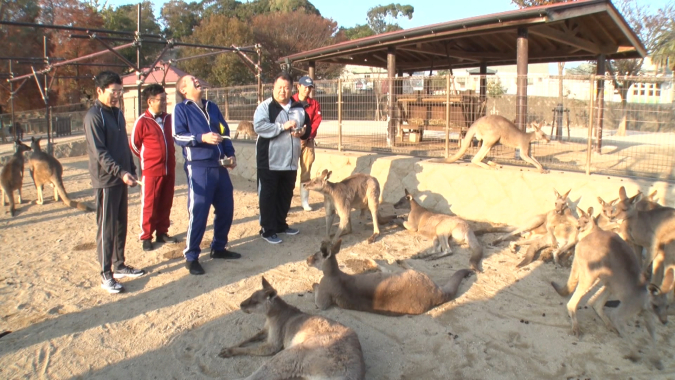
(409,292)
(441,228)
(45,169)
(603,257)
(11,176)
(359,191)
(561,233)
(306,346)
(246,129)
(639,227)
(495,129)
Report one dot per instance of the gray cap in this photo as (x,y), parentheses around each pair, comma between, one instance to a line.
(306,81)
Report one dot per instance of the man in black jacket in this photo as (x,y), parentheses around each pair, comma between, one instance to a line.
(112,169)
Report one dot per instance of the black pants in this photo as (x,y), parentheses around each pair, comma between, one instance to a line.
(111,216)
(275,192)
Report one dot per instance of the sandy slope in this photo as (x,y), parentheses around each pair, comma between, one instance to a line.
(506,323)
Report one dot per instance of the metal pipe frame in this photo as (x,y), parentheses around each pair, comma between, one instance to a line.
(77,29)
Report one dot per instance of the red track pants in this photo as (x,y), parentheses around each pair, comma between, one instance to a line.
(156,205)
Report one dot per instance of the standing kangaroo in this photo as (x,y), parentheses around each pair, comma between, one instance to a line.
(11,176)
(441,228)
(603,257)
(245,128)
(45,169)
(306,346)
(639,227)
(495,129)
(359,191)
(405,293)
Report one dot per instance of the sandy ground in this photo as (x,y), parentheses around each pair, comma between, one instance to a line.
(505,323)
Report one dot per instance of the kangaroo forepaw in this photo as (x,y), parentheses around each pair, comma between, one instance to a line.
(372,238)
(439,256)
(513,247)
(227,352)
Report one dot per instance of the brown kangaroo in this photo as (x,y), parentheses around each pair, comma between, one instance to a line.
(663,266)
(359,191)
(441,228)
(246,130)
(609,209)
(11,176)
(603,257)
(304,346)
(45,169)
(405,293)
(493,129)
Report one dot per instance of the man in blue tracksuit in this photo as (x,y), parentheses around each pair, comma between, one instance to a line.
(199,127)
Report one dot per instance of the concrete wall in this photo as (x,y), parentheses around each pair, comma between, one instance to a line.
(509,195)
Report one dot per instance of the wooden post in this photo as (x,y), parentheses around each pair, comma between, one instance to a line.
(483,81)
(447,116)
(339,107)
(600,102)
(391,73)
(312,68)
(589,144)
(227,104)
(521,97)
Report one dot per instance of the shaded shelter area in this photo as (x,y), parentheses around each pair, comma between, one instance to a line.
(582,30)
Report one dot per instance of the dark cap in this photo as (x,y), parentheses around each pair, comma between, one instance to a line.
(306,81)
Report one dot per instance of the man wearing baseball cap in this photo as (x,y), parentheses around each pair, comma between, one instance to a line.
(313,112)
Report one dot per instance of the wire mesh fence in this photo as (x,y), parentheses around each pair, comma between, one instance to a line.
(66,120)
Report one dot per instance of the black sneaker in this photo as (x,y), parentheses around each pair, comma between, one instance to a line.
(194,267)
(165,238)
(224,254)
(147,245)
(127,271)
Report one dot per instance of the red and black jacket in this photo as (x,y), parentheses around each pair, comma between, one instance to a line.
(154,144)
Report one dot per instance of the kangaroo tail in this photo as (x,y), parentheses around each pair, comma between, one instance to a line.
(572,282)
(476,251)
(492,230)
(465,145)
(450,289)
(385,219)
(64,195)
(531,224)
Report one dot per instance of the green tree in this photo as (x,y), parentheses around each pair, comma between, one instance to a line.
(180,18)
(380,18)
(358,31)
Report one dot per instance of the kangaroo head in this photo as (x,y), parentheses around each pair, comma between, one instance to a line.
(586,222)
(327,252)
(608,208)
(319,182)
(260,301)
(539,134)
(658,297)
(404,202)
(20,147)
(626,207)
(561,201)
(647,203)
(35,143)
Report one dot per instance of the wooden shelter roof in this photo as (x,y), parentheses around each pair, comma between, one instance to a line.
(573,31)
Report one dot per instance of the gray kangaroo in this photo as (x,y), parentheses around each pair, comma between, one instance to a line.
(603,257)
(11,176)
(359,191)
(663,266)
(405,293)
(639,227)
(304,346)
(493,129)
(561,233)
(441,228)
(45,169)
(246,130)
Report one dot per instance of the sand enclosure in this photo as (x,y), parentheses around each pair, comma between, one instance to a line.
(505,323)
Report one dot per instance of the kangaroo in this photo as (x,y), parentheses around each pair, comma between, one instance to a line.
(561,233)
(441,228)
(246,129)
(11,176)
(306,346)
(663,266)
(609,209)
(45,169)
(493,129)
(405,293)
(638,227)
(603,257)
(359,191)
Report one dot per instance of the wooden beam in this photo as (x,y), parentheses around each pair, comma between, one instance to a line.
(467,55)
(559,36)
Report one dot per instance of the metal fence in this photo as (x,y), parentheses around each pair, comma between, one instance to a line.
(66,120)
(428,116)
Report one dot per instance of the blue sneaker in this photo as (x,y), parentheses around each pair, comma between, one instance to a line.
(272,239)
(291,231)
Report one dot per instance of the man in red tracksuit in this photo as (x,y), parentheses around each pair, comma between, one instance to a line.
(313,112)
(152,141)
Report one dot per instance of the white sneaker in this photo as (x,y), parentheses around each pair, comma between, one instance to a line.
(112,286)
(304,196)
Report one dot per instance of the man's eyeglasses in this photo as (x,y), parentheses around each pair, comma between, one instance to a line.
(115,92)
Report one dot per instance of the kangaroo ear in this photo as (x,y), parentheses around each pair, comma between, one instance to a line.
(590,211)
(567,193)
(328,175)
(266,285)
(612,203)
(336,247)
(652,196)
(32,138)
(601,201)
(406,191)
(668,281)
(557,194)
(622,193)
(324,173)
(637,198)
(581,211)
